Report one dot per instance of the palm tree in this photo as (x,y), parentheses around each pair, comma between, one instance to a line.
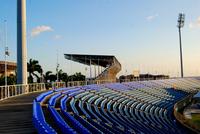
(62,76)
(33,69)
(77,77)
(47,76)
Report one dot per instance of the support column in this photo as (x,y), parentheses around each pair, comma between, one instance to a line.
(98,67)
(95,74)
(98,70)
(21,43)
(90,70)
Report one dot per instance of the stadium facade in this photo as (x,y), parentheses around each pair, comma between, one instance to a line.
(11,68)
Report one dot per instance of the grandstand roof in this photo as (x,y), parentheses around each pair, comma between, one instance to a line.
(101,60)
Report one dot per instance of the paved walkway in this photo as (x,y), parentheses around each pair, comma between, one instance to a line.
(16,115)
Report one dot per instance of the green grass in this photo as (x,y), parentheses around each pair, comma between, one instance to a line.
(196,120)
(196,117)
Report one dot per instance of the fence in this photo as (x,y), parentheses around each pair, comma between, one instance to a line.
(58,85)
(90,82)
(15,90)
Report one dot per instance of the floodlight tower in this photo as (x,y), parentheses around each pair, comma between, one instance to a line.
(21,43)
(181,21)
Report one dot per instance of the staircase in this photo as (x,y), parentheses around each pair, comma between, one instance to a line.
(110,72)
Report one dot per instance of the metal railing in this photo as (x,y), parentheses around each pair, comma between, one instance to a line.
(56,85)
(89,82)
(15,90)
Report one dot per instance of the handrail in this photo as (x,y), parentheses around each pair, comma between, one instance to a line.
(15,90)
(20,89)
(56,85)
(89,82)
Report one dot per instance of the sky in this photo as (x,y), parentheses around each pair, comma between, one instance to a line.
(142,34)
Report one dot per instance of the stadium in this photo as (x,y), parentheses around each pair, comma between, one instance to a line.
(104,106)
(134,107)
(100,103)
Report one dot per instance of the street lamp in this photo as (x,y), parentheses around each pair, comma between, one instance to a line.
(57,68)
(181,21)
(6,54)
(57,71)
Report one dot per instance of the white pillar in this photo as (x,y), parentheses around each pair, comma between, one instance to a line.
(21,43)
(95,74)
(90,69)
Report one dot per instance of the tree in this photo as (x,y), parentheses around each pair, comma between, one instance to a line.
(33,69)
(11,80)
(47,76)
(77,77)
(62,76)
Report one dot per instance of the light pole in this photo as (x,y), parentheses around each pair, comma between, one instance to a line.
(57,68)
(181,21)
(6,52)
(6,74)
(21,43)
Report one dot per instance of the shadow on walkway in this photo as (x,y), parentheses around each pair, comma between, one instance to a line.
(16,115)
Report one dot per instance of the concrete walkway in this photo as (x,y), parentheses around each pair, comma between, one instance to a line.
(16,115)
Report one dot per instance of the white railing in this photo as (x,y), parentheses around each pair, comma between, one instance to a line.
(15,90)
(56,85)
(89,82)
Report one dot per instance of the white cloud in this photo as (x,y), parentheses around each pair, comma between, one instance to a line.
(195,24)
(151,17)
(57,37)
(40,29)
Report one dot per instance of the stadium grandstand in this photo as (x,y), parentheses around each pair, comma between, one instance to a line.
(108,66)
(135,107)
(144,107)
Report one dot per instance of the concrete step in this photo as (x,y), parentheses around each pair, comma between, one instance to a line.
(16,115)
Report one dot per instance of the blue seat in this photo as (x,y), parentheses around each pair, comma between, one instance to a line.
(61,124)
(52,100)
(43,95)
(88,125)
(133,107)
(39,120)
(76,125)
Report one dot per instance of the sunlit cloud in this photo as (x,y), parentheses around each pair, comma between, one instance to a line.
(40,29)
(195,24)
(152,17)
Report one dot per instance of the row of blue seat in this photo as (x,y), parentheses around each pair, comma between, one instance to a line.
(38,117)
(134,107)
